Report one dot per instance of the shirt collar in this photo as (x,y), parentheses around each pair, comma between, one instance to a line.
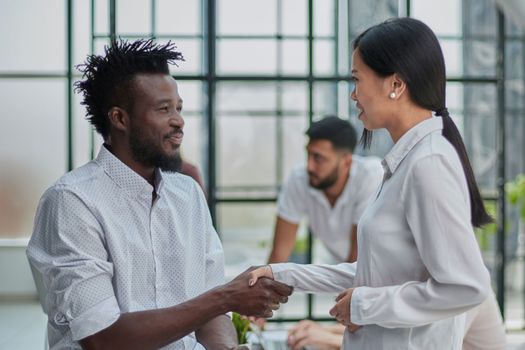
(407,142)
(124,176)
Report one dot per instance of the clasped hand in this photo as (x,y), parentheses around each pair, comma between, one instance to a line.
(341,310)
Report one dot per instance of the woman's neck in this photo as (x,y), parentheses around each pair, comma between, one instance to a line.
(405,119)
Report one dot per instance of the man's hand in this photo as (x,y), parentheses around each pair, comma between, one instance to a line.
(308,332)
(258,299)
(341,310)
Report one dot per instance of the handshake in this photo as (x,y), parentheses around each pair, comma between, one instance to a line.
(273,293)
(255,293)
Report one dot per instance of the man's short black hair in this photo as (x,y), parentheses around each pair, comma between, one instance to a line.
(336,130)
(108,78)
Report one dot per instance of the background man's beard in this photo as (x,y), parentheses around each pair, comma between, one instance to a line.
(327,182)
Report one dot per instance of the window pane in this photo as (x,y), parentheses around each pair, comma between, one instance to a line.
(102,17)
(32,149)
(324,57)
(194,145)
(134,16)
(433,13)
(294,57)
(192,51)
(246,97)
(452,51)
(246,17)
(476,118)
(479,18)
(246,152)
(295,97)
(480,58)
(325,96)
(33,40)
(324,18)
(81,31)
(254,56)
(294,142)
(178,17)
(246,231)
(514,77)
(82,130)
(294,17)
(362,17)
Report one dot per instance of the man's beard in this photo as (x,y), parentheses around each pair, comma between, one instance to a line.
(149,153)
(328,181)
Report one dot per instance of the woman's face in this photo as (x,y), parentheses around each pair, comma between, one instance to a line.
(371,92)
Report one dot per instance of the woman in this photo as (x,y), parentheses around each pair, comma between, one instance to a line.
(420,269)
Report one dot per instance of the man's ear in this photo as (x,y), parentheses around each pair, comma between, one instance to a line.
(118,118)
(347,159)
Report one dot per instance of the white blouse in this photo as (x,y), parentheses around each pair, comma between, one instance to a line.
(419,266)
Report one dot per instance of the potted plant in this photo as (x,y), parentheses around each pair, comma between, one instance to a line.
(242,327)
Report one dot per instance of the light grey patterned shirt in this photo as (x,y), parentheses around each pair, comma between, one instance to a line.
(103,248)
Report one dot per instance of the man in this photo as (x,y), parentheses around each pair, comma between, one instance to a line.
(127,253)
(331,192)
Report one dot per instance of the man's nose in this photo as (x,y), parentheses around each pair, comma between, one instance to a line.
(177,121)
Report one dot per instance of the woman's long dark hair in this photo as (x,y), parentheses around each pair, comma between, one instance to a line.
(409,48)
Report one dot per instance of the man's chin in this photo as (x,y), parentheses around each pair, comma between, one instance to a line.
(313,184)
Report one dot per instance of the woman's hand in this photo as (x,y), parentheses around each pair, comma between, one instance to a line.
(341,310)
(263,271)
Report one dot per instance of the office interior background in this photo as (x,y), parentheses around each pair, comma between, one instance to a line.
(256,73)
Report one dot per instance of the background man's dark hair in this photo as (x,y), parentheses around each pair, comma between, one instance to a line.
(336,130)
(108,79)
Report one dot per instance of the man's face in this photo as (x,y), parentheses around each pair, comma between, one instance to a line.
(156,124)
(324,164)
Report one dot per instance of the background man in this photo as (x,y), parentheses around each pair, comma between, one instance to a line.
(331,192)
(128,254)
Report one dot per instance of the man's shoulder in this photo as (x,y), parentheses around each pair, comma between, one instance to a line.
(299,173)
(368,164)
(180,184)
(79,177)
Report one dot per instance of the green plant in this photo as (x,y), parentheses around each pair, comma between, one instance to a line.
(516,194)
(242,326)
(301,245)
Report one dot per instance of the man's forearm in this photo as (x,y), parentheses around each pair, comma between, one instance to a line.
(218,333)
(153,329)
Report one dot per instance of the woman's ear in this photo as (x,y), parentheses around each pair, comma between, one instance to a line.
(398,86)
(118,118)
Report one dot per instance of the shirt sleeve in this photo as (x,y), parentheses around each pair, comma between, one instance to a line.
(368,185)
(315,278)
(67,250)
(291,202)
(438,214)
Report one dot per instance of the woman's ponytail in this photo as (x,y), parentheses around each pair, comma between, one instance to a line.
(479,215)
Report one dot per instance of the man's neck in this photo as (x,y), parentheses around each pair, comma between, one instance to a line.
(148,173)
(333,192)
